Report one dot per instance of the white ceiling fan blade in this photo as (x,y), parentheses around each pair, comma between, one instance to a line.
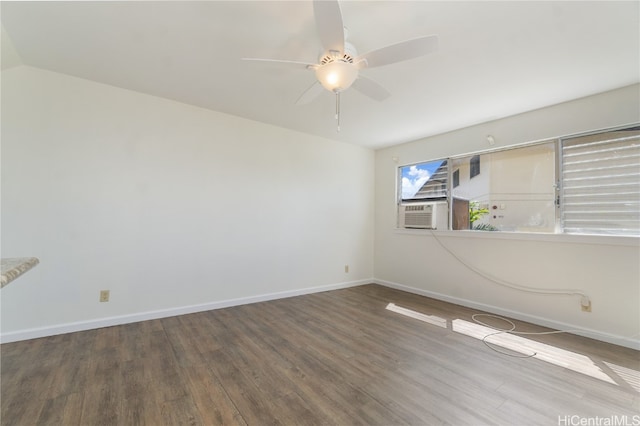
(310,94)
(329,24)
(368,87)
(304,65)
(398,52)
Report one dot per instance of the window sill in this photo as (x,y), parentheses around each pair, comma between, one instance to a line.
(610,240)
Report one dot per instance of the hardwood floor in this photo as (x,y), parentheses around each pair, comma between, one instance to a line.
(336,357)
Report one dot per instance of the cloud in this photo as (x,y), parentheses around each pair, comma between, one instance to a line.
(412,181)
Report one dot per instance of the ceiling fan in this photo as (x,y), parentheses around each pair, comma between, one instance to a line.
(339,66)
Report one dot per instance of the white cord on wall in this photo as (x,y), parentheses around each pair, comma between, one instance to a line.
(584,300)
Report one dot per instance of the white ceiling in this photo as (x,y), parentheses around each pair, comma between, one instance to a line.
(495,58)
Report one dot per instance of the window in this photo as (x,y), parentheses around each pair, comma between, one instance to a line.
(515,192)
(474,166)
(579,185)
(424,181)
(423,202)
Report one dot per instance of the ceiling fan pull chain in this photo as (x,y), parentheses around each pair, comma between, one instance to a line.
(338,110)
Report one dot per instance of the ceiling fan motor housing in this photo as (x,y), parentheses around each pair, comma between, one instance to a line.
(348,55)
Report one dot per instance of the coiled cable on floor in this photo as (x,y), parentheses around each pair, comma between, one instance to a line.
(510,330)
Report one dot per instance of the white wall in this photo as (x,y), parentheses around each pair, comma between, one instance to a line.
(175,208)
(606,268)
(166,205)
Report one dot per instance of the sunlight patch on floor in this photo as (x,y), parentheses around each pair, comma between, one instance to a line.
(556,356)
(528,348)
(431,319)
(629,375)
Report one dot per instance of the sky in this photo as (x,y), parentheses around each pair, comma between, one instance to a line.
(413,177)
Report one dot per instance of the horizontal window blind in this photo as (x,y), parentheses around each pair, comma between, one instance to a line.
(601,183)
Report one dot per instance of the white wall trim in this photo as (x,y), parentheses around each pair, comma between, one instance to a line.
(545,322)
(71,327)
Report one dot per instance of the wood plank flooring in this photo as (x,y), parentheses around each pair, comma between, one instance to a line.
(336,357)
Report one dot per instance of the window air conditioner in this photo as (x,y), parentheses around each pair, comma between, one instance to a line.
(418,216)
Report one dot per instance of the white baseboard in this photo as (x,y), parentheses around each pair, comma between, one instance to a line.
(545,322)
(53,330)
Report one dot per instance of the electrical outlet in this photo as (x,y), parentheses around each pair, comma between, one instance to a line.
(104,295)
(346,269)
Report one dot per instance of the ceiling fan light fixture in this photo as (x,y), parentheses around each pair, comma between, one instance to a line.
(337,76)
